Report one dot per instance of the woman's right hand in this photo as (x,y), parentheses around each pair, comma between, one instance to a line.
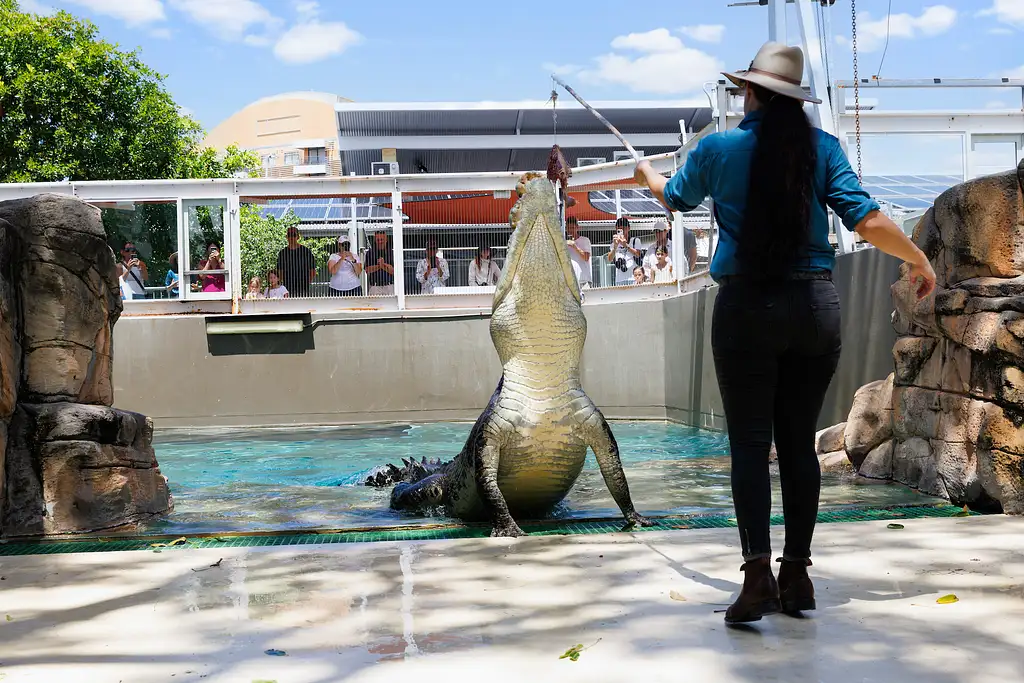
(640,174)
(923,276)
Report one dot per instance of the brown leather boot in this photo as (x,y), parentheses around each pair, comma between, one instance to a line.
(795,588)
(759,596)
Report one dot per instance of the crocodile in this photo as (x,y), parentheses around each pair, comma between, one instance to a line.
(528,446)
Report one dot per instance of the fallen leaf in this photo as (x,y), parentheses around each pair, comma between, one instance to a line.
(275,653)
(158,551)
(895,526)
(10,618)
(215,564)
(676,596)
(178,541)
(966,512)
(948,599)
(574,652)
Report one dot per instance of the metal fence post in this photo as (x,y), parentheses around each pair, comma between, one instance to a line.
(234,249)
(398,244)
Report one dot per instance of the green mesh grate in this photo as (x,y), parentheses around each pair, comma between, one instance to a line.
(443,532)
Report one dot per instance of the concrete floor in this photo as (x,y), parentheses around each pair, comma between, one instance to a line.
(497,610)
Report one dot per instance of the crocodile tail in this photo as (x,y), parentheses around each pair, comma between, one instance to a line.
(410,472)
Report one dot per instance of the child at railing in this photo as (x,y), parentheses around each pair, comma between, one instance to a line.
(255,289)
(274,290)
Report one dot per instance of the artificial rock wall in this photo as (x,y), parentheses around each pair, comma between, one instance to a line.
(69,463)
(950,419)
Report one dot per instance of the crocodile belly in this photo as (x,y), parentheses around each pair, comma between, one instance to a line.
(535,474)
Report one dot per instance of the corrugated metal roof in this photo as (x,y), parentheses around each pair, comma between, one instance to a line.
(475,160)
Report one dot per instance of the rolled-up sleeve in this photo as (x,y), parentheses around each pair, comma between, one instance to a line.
(689,186)
(843,191)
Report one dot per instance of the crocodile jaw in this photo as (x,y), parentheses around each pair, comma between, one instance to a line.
(537,317)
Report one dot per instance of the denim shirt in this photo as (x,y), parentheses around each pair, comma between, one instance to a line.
(719,166)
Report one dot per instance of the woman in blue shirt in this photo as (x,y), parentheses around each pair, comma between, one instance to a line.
(776,322)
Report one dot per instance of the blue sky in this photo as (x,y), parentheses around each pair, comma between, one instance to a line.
(220,55)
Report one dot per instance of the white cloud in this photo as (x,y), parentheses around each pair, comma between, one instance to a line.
(228,19)
(1006,11)
(161,33)
(314,41)
(705,33)
(35,7)
(660,64)
(560,69)
(658,40)
(131,12)
(871,33)
(258,41)
(1001,31)
(307,9)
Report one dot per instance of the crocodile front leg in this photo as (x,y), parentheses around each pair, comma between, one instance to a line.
(486,466)
(598,436)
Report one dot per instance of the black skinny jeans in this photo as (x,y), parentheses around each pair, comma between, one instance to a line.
(776,348)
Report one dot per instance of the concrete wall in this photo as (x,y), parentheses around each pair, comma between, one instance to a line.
(642,360)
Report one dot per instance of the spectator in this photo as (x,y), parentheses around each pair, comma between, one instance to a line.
(661,239)
(690,250)
(212,283)
(432,272)
(483,272)
(296,265)
(639,276)
(133,271)
(274,290)
(580,251)
(625,253)
(255,287)
(345,270)
(661,269)
(379,265)
(171,279)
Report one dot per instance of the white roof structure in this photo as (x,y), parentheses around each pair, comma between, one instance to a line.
(470,137)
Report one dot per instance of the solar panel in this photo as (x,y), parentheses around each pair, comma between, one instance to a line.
(909,191)
(310,212)
(273,211)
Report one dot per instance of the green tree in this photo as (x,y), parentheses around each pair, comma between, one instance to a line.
(207,163)
(76,107)
(263,237)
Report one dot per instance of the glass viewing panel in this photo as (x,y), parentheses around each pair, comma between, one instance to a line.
(208,273)
(144,238)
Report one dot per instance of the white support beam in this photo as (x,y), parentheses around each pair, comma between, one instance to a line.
(777,29)
(351,143)
(909,123)
(935,83)
(815,62)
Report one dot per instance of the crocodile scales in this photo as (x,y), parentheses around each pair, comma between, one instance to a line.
(527,448)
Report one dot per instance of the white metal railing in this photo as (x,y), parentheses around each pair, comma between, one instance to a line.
(176,224)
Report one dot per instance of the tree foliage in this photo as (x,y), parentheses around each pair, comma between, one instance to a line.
(76,107)
(263,237)
(207,163)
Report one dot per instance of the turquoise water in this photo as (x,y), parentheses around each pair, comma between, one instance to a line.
(286,479)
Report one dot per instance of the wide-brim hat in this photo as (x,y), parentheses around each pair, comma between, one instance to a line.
(778,68)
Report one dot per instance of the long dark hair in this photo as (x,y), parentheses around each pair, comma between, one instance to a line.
(776,225)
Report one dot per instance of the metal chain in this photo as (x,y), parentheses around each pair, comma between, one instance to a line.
(856,91)
(554,111)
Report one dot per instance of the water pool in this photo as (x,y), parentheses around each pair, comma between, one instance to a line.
(289,479)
